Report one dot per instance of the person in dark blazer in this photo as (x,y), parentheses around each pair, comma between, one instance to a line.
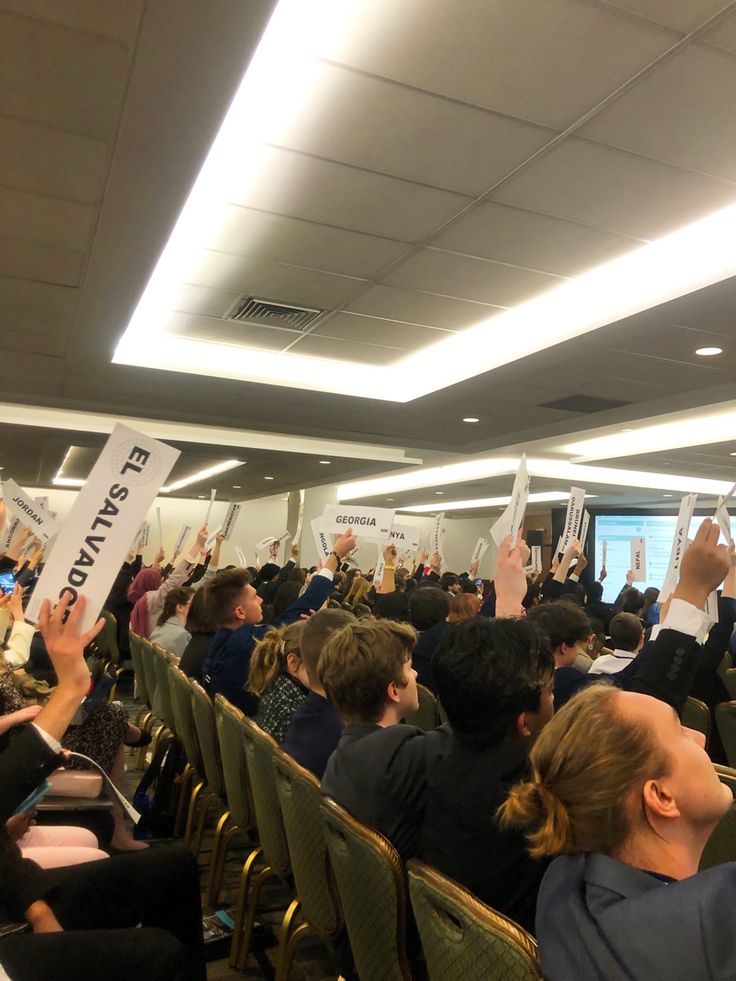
(157,889)
(627,798)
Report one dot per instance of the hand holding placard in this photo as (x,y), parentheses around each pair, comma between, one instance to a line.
(704,566)
(510,580)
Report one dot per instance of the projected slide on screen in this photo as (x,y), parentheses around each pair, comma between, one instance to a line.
(618,530)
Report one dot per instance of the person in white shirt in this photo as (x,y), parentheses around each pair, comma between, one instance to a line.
(627,639)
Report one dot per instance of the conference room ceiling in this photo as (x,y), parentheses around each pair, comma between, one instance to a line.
(453,161)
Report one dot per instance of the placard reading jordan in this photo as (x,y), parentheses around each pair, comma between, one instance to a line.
(94,539)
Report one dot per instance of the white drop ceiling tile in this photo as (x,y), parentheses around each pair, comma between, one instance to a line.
(355,351)
(537,241)
(396,132)
(269,280)
(334,194)
(59,301)
(303,243)
(50,162)
(691,99)
(34,317)
(68,224)
(608,188)
(63,78)
(352,327)
(39,262)
(421,308)
(115,18)
(724,35)
(673,343)
(202,300)
(681,15)
(547,61)
(616,367)
(466,277)
(227,332)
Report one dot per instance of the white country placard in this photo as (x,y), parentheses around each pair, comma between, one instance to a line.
(380,568)
(437,535)
(160,528)
(143,534)
(43,502)
(213,494)
(573,517)
(639,559)
(679,545)
(584,529)
(374,523)
(182,538)
(604,552)
(230,520)
(93,541)
(724,519)
(512,518)
(23,506)
(14,527)
(212,540)
(240,556)
(322,539)
(536,558)
(265,542)
(406,538)
(481,547)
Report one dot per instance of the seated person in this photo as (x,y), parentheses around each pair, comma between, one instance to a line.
(627,799)
(627,639)
(236,609)
(201,628)
(378,771)
(315,727)
(279,678)
(429,607)
(596,608)
(157,889)
(566,629)
(171,632)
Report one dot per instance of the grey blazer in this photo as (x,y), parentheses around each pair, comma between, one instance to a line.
(600,919)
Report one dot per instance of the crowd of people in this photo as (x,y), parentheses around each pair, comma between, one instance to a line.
(562,791)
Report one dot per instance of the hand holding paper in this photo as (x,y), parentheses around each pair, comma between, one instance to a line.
(704,566)
(509,579)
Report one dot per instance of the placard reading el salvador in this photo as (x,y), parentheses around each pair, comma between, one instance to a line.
(373,523)
(94,539)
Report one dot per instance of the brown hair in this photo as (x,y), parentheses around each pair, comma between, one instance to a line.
(270,653)
(587,765)
(360,661)
(177,597)
(358,591)
(463,606)
(224,590)
(625,630)
(315,633)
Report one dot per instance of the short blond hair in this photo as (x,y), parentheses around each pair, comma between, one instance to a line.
(587,766)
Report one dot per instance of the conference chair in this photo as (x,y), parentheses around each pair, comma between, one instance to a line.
(726,722)
(259,750)
(203,712)
(696,715)
(726,775)
(728,675)
(317,903)
(140,690)
(371,883)
(241,821)
(193,783)
(428,715)
(463,938)
(161,660)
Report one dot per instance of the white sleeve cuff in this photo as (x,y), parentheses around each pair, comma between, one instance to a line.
(686,618)
(327,573)
(19,643)
(52,744)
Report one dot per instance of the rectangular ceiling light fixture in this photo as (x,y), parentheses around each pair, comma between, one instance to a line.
(485,502)
(274,96)
(202,475)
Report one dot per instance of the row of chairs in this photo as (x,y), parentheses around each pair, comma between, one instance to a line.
(340,875)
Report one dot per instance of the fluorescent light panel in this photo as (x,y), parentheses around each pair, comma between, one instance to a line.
(274,96)
(698,428)
(202,475)
(484,502)
(454,473)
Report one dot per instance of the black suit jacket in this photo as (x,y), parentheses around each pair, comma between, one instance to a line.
(25,761)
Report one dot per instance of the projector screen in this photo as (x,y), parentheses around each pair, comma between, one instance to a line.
(618,530)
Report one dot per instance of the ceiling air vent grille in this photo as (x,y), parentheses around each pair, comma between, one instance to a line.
(269,313)
(583,403)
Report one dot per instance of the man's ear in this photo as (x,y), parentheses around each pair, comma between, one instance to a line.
(520,728)
(658,801)
(392,692)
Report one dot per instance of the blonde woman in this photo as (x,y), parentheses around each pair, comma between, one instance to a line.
(278,676)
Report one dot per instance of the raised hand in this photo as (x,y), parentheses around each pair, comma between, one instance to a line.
(435,563)
(510,580)
(704,566)
(389,555)
(345,544)
(295,550)
(64,641)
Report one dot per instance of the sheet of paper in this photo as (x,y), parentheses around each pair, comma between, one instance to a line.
(481,547)
(160,528)
(679,544)
(573,517)
(93,541)
(240,555)
(231,519)
(379,570)
(213,494)
(437,535)
(143,534)
(212,540)
(124,802)
(536,558)
(604,553)
(182,539)
(724,519)
(373,523)
(322,539)
(638,564)
(22,505)
(511,520)
(584,530)
(406,538)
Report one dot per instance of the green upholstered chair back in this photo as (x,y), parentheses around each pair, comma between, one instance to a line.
(463,938)
(229,720)
(161,659)
(107,639)
(259,750)
(726,722)
(428,715)
(204,723)
(721,846)
(696,715)
(138,670)
(372,887)
(300,799)
(183,711)
(149,670)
